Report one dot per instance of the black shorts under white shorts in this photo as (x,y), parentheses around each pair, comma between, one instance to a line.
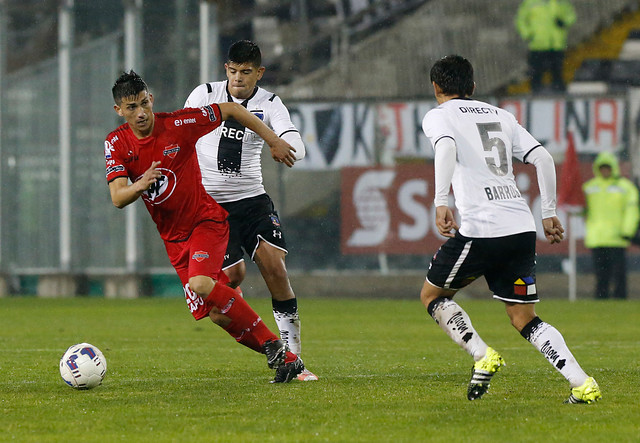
(507,263)
(251,220)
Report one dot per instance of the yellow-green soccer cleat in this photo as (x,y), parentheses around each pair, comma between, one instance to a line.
(588,392)
(482,372)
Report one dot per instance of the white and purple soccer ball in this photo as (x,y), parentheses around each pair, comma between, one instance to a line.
(83,366)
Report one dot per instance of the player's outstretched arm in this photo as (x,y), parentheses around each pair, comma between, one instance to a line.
(281,151)
(123,194)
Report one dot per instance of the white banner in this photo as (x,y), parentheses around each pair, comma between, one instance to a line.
(337,135)
(634,131)
(597,123)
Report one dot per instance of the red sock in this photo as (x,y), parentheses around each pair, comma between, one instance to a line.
(246,338)
(290,357)
(246,326)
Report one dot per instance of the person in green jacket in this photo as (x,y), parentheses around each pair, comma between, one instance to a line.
(544,25)
(611,220)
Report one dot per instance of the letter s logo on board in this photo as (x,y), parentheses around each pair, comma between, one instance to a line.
(408,203)
(371,206)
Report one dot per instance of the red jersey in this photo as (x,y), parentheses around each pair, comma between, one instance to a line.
(177,202)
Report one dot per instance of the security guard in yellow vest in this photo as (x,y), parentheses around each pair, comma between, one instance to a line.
(544,25)
(611,220)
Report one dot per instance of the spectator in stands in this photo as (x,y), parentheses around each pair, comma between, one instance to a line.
(544,25)
(611,217)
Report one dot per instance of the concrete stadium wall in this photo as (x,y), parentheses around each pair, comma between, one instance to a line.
(400,285)
(407,286)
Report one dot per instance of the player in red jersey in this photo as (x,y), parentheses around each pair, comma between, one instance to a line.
(153,156)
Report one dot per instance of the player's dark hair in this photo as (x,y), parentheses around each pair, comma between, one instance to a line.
(129,84)
(454,75)
(245,51)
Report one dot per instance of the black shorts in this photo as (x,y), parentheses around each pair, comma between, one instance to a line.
(251,220)
(507,263)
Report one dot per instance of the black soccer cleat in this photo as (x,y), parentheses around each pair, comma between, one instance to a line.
(276,351)
(288,371)
(477,390)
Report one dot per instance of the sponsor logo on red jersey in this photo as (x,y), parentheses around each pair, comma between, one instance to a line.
(162,189)
(184,121)
(171,150)
(200,255)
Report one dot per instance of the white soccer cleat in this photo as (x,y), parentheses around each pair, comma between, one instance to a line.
(307,375)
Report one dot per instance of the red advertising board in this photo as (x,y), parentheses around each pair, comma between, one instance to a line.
(390,210)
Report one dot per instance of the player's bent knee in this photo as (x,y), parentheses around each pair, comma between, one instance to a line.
(272,267)
(236,274)
(201,285)
(429,293)
(235,278)
(520,314)
(277,272)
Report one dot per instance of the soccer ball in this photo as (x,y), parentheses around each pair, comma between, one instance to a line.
(83,366)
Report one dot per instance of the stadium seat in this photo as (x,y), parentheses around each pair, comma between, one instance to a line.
(623,74)
(631,47)
(591,77)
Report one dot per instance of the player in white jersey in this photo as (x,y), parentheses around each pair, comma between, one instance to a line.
(475,144)
(230,162)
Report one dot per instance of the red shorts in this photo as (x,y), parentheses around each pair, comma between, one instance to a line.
(201,254)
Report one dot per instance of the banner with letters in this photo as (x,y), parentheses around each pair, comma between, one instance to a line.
(338,135)
(598,124)
(335,134)
(390,210)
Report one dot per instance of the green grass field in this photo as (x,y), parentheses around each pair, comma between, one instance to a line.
(387,373)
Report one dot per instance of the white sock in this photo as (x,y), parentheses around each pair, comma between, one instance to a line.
(456,323)
(286,315)
(289,326)
(549,341)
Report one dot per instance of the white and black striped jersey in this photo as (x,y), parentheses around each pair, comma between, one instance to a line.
(487,139)
(229,157)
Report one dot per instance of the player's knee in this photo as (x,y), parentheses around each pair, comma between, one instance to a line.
(236,274)
(277,272)
(520,315)
(201,285)
(519,322)
(428,294)
(270,260)
(272,267)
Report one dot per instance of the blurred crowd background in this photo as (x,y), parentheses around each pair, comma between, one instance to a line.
(354,74)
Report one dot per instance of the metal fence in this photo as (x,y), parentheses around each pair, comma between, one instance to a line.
(31,166)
